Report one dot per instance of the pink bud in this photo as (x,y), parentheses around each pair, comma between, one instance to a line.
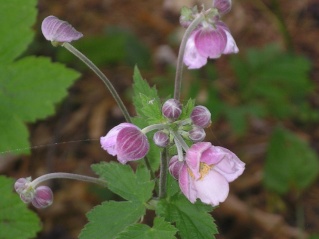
(56,30)
(126,141)
(175,166)
(201,116)
(43,197)
(197,134)
(172,109)
(21,184)
(161,139)
(223,6)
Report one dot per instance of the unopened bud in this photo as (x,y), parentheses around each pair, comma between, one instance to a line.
(223,6)
(197,134)
(201,116)
(43,197)
(21,184)
(161,139)
(172,109)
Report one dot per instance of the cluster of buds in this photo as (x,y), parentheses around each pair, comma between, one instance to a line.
(40,197)
(202,170)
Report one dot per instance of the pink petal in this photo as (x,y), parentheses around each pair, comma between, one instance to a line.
(231,167)
(192,58)
(212,189)
(193,157)
(57,30)
(231,46)
(186,184)
(109,140)
(131,144)
(211,42)
(213,155)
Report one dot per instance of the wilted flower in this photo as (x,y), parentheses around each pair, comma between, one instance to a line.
(126,141)
(58,31)
(206,172)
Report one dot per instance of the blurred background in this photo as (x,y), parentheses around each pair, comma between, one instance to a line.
(264,103)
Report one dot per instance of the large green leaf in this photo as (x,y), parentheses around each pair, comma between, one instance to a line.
(111,218)
(17,18)
(16,220)
(290,162)
(124,182)
(160,230)
(192,220)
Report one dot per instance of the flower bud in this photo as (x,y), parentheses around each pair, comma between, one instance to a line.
(201,116)
(223,6)
(161,139)
(126,141)
(172,109)
(175,166)
(43,197)
(21,184)
(197,134)
(58,31)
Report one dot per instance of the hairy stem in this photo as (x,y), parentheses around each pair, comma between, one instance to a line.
(99,73)
(79,177)
(163,174)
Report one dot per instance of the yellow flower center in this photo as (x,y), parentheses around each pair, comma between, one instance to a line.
(203,170)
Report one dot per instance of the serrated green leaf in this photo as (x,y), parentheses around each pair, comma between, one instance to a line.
(16,19)
(146,100)
(160,230)
(192,220)
(187,109)
(111,218)
(290,162)
(29,90)
(122,181)
(16,220)
(31,86)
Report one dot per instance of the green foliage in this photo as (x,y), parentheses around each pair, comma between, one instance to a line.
(16,220)
(192,220)
(270,83)
(115,46)
(111,218)
(290,162)
(124,182)
(160,230)
(29,87)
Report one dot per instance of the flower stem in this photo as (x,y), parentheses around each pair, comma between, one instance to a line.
(163,174)
(79,177)
(153,127)
(179,66)
(99,73)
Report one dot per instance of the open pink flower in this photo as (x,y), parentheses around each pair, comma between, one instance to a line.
(208,42)
(206,172)
(126,141)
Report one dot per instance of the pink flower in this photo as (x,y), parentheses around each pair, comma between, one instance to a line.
(126,141)
(208,41)
(206,172)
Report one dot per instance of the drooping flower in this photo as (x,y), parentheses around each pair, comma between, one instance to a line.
(58,31)
(206,172)
(126,141)
(208,41)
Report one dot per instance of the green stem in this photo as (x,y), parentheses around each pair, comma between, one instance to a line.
(79,177)
(179,66)
(109,85)
(163,174)
(99,73)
